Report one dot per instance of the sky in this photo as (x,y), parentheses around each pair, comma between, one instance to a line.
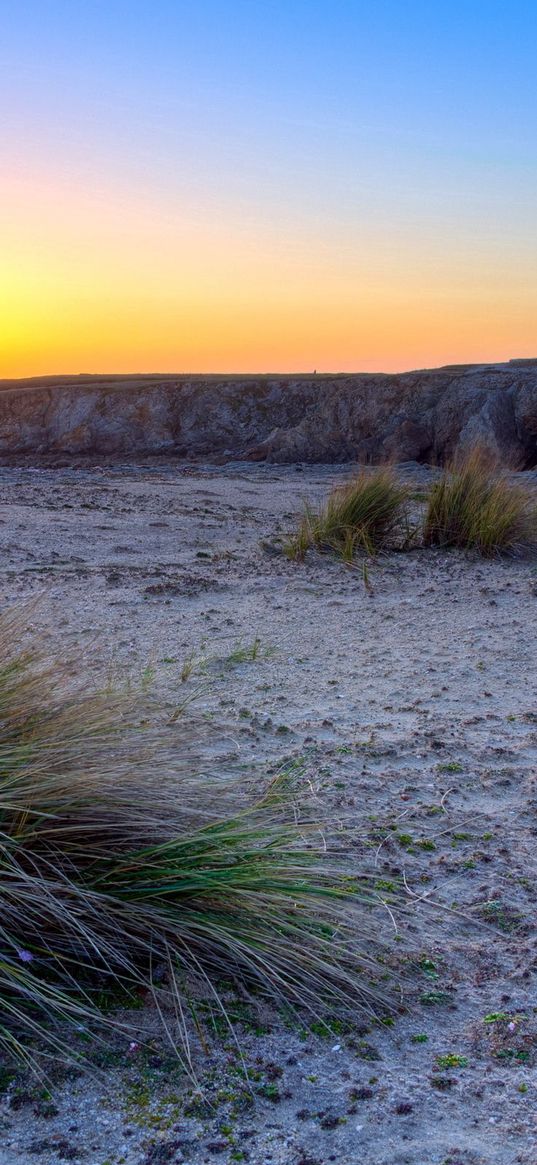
(266,185)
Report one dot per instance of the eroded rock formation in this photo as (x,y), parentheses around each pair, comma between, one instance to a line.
(423,416)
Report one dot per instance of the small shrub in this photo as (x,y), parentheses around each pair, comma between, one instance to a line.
(365,514)
(475,506)
(451,1060)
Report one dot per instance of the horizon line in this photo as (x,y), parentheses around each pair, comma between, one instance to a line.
(47,376)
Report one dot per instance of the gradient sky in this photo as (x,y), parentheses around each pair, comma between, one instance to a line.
(284,185)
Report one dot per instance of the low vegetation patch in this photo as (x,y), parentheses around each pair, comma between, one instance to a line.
(126,874)
(365,514)
(474,505)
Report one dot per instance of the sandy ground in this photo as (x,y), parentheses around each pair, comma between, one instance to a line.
(413,705)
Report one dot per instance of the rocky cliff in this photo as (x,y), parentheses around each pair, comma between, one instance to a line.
(423,416)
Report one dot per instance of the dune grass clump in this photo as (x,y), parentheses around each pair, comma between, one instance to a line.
(126,871)
(474,505)
(365,514)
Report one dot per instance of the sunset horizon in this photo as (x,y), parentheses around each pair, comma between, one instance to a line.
(240,187)
(123,373)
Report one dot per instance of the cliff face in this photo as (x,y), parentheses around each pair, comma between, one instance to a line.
(423,416)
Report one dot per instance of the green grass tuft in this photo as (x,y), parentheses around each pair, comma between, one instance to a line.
(475,506)
(365,514)
(126,872)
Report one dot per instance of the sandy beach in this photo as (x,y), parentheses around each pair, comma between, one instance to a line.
(409,704)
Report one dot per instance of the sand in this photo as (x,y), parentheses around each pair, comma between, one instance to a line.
(412,706)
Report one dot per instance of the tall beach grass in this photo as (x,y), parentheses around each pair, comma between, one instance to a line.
(366,513)
(475,505)
(118,858)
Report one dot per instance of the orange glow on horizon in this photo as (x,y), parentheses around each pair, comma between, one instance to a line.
(105,281)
